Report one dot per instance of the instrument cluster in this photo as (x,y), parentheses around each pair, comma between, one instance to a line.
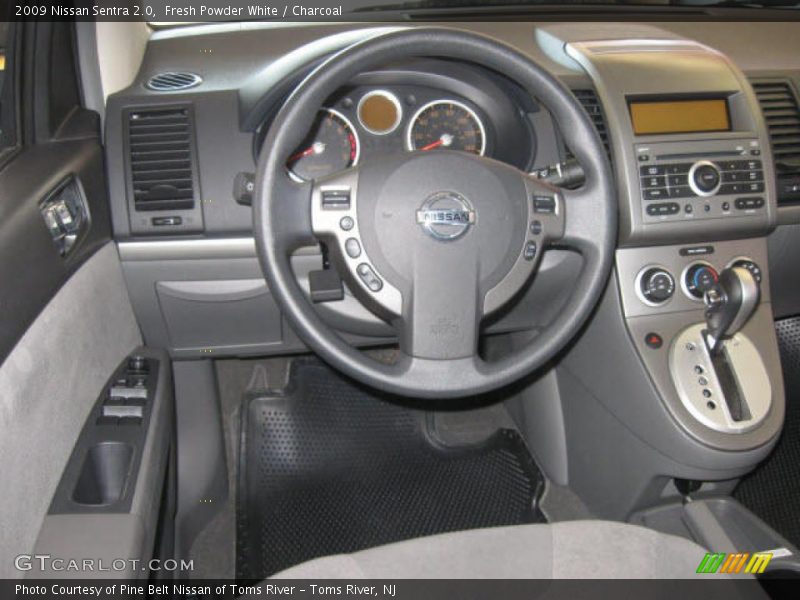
(365,121)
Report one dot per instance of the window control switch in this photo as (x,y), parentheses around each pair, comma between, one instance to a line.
(119,391)
(122,410)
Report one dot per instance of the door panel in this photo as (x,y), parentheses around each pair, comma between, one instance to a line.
(48,384)
(65,321)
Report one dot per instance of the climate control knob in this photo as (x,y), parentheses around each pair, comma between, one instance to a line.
(698,279)
(656,285)
(748,264)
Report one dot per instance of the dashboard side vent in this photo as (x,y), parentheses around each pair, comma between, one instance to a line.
(173,81)
(161,161)
(588,98)
(781,111)
(782,115)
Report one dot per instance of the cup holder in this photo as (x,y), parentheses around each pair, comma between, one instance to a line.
(104,474)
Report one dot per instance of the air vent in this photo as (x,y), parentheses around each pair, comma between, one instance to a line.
(161,162)
(782,116)
(170,82)
(588,98)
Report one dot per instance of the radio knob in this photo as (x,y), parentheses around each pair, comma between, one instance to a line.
(657,285)
(704,178)
(699,278)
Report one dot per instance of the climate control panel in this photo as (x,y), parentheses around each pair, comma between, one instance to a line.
(667,279)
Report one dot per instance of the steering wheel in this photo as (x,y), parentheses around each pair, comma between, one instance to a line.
(433,242)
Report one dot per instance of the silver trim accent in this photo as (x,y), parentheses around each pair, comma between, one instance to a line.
(326,224)
(472,113)
(689,350)
(347,122)
(743,257)
(173,81)
(693,185)
(389,96)
(208,248)
(244,247)
(684,287)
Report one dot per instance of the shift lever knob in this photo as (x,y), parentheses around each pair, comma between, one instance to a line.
(729,304)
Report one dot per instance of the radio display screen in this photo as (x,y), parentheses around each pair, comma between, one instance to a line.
(679,116)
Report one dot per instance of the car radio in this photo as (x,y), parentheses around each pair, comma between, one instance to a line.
(708,179)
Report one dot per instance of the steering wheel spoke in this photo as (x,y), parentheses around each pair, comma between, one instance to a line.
(292,210)
(442,314)
(581,229)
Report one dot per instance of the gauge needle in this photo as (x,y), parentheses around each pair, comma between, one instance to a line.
(315,148)
(445,140)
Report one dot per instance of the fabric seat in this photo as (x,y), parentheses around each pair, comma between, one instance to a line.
(574,549)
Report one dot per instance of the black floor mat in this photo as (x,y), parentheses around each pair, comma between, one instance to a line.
(331,468)
(773,490)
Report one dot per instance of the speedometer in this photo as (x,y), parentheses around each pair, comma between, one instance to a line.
(332,145)
(446,124)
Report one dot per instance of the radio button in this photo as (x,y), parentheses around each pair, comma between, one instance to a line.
(678,180)
(664,208)
(678,168)
(651,170)
(742,176)
(740,165)
(756,187)
(731,188)
(654,181)
(749,203)
(705,177)
(655,194)
(680,191)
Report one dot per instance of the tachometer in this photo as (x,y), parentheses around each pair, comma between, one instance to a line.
(446,124)
(332,145)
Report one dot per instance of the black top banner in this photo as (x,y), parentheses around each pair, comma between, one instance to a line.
(177,12)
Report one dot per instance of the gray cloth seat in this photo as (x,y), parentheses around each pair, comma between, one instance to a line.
(573,549)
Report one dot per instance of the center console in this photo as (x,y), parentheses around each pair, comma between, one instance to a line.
(697,198)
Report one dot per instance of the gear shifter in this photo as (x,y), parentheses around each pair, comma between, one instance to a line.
(729,304)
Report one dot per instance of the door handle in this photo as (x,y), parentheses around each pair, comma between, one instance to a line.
(66,215)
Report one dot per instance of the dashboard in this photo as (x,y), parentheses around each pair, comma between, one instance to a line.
(684,191)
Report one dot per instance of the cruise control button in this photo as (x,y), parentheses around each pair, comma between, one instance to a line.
(352,247)
(368,276)
(530,251)
(536,227)
(347,223)
(544,204)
